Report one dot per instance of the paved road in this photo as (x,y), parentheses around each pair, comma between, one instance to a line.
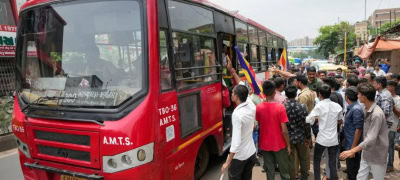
(9,166)
(214,170)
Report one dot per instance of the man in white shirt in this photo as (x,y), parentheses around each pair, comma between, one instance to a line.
(328,114)
(378,71)
(242,156)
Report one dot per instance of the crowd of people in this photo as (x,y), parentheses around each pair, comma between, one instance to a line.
(353,117)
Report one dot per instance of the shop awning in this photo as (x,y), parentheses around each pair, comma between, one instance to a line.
(378,45)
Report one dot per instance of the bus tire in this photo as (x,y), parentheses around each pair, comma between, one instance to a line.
(202,159)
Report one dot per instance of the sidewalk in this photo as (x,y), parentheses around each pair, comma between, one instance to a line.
(7,142)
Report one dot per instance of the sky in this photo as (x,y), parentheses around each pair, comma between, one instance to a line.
(299,18)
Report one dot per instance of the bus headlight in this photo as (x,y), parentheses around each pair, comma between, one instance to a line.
(130,159)
(23,147)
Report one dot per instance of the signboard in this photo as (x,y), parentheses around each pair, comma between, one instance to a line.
(7,40)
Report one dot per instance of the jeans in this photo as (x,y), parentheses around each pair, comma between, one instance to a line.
(301,151)
(271,158)
(315,130)
(255,138)
(392,135)
(353,165)
(318,151)
(239,170)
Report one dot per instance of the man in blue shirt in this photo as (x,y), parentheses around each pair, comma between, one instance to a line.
(385,66)
(353,126)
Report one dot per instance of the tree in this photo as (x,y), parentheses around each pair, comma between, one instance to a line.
(387,25)
(300,55)
(305,54)
(331,38)
(316,55)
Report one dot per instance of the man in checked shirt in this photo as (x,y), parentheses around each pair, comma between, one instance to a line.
(385,101)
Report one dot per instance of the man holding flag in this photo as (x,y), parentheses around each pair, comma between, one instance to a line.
(248,71)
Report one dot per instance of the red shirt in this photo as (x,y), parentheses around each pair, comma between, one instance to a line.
(270,115)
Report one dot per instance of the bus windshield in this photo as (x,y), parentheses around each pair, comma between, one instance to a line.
(88,52)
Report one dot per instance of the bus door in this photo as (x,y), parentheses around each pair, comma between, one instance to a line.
(226,43)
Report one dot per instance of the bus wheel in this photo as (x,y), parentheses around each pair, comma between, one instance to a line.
(203,156)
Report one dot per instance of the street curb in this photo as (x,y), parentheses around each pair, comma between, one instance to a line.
(7,142)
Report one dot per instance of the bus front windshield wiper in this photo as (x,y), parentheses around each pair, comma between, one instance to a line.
(44,99)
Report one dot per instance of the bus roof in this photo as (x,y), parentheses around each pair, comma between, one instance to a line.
(238,16)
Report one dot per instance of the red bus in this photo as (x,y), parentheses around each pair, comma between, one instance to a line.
(127,89)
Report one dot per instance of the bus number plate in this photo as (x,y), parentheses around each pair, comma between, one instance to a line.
(66,177)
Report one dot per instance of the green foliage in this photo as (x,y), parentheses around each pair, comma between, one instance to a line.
(300,55)
(383,27)
(6,108)
(387,25)
(316,54)
(312,54)
(331,38)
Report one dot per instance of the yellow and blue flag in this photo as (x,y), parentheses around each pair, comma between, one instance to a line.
(249,73)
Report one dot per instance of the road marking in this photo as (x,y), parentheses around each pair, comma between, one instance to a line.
(8,153)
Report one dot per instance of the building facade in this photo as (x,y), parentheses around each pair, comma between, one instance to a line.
(361,30)
(381,16)
(306,41)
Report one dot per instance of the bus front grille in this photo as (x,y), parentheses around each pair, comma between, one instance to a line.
(74,147)
(64,138)
(64,153)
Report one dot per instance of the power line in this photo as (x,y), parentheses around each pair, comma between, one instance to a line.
(379,4)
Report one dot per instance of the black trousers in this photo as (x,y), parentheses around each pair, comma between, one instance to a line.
(353,165)
(318,151)
(242,170)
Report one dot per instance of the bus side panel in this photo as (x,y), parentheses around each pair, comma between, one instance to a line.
(168,122)
(211,105)
(181,161)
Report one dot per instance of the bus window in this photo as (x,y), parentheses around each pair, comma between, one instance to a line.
(263,59)
(191,18)
(164,62)
(191,53)
(6,15)
(253,37)
(254,58)
(241,32)
(244,50)
(190,113)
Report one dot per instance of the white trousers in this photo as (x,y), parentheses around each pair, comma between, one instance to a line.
(378,170)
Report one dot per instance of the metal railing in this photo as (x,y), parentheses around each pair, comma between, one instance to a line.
(7,76)
(7,87)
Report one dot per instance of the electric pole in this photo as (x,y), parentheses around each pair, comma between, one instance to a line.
(365,11)
(345,50)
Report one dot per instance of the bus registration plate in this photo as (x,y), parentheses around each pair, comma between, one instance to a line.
(66,177)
